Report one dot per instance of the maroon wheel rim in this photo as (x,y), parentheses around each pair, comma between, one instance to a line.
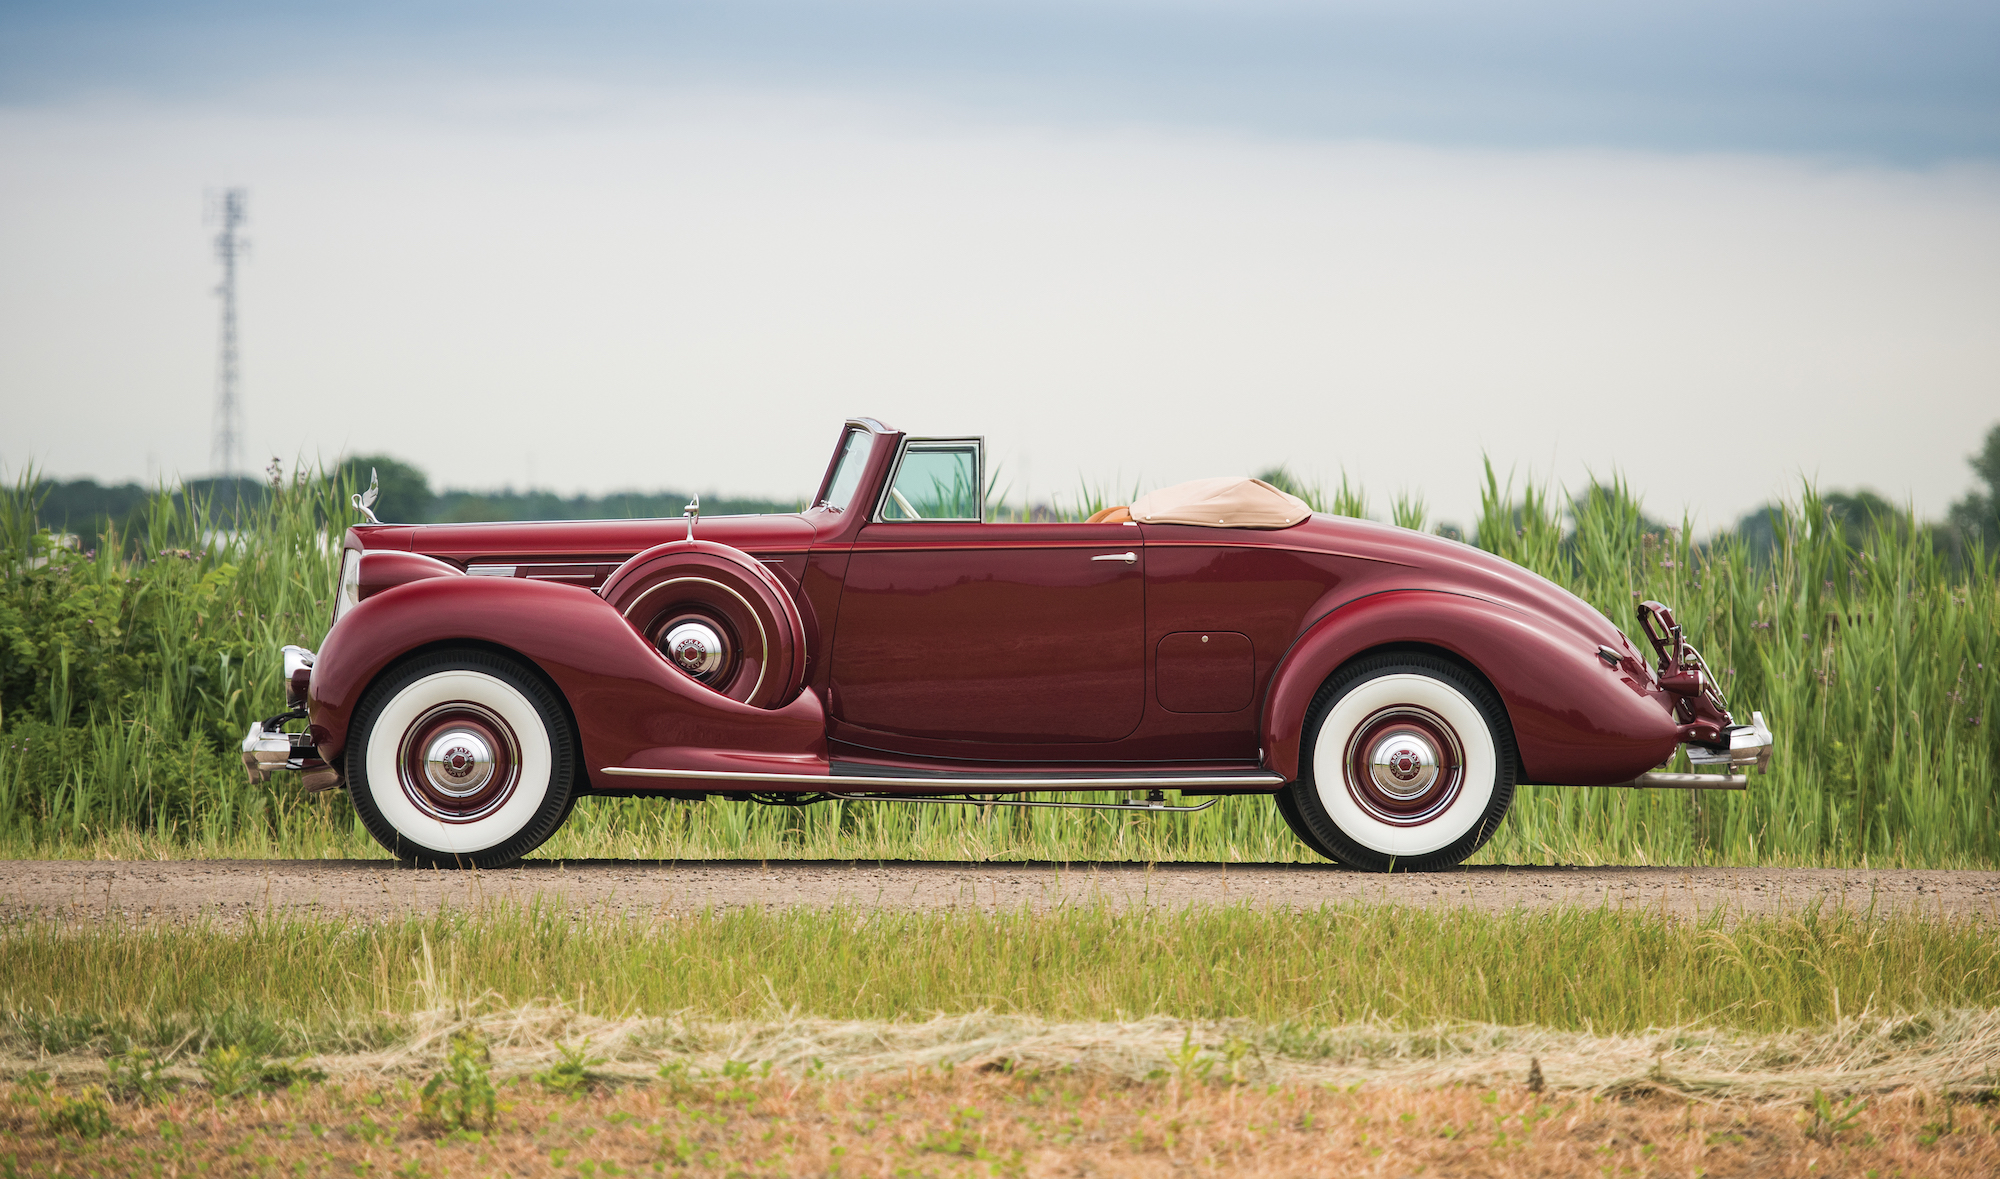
(1404,765)
(459,762)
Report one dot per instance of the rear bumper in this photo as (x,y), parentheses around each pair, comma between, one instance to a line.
(1746,747)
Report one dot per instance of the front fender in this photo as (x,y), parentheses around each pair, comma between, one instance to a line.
(631,708)
(1576,721)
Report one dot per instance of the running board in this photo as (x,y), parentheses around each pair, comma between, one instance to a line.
(997,783)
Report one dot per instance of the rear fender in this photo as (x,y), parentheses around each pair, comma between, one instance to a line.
(631,707)
(1576,721)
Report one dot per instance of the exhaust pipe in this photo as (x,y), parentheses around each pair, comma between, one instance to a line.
(1660,781)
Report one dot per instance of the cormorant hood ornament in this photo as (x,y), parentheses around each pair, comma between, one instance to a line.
(364,501)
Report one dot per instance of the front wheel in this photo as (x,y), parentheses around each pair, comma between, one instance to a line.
(461,759)
(1407,764)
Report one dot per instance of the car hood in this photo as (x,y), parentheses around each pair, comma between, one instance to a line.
(511,542)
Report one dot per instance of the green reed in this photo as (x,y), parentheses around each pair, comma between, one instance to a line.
(1872,657)
(128,674)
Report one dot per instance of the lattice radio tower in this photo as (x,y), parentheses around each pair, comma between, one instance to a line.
(229,209)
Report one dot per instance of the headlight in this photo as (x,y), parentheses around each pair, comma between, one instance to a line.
(349,592)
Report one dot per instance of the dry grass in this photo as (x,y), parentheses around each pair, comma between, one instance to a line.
(1006,1124)
(1944,1052)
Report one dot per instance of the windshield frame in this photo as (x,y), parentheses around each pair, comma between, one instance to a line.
(844,454)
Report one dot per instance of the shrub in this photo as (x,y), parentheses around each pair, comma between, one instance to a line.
(138,1074)
(84,1115)
(460,1096)
(571,1074)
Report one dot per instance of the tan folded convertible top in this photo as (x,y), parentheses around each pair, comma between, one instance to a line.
(1230,501)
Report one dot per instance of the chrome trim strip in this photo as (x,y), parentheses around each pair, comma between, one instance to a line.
(995,546)
(545,566)
(571,564)
(1155,782)
(1127,805)
(490,570)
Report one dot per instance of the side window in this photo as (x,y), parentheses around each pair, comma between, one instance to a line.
(854,450)
(937,480)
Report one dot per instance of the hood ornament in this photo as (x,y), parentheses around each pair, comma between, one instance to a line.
(364,501)
(693,512)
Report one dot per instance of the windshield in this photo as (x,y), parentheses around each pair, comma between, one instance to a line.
(847,469)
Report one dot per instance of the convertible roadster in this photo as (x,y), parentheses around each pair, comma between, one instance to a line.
(1387,688)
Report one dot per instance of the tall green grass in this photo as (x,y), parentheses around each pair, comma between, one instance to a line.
(127,675)
(1874,657)
(129,672)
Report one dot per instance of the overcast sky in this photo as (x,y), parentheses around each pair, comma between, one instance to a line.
(1714,247)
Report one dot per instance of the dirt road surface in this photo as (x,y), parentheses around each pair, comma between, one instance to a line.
(228,890)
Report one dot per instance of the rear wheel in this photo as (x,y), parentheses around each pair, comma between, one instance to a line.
(462,759)
(1288,808)
(1407,764)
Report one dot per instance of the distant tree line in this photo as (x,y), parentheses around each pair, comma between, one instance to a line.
(87,509)
(407,497)
(1971,522)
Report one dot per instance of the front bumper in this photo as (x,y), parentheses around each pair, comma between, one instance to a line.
(268,749)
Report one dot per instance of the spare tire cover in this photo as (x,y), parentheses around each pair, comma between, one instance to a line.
(733,594)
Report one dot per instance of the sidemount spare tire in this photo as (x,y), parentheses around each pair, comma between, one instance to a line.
(717,615)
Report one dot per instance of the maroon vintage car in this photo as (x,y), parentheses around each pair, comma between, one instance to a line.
(1385,687)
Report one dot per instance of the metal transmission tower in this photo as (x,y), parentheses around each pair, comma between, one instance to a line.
(229,209)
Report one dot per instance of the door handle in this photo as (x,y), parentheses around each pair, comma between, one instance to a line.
(1128,558)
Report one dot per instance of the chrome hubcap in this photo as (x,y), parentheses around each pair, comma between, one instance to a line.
(458,761)
(695,648)
(1403,764)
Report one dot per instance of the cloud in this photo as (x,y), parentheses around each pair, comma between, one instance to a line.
(1907,82)
(693,291)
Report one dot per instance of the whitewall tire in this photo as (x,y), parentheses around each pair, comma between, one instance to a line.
(461,758)
(1407,763)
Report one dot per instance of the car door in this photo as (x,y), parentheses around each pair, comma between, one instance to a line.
(955,629)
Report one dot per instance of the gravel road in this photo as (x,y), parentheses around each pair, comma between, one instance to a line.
(187,890)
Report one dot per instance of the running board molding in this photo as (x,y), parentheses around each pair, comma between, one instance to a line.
(1130,804)
(959,783)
